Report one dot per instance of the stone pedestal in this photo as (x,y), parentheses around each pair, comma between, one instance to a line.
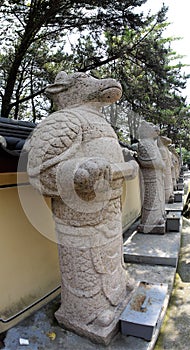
(141,315)
(154,229)
(178,196)
(95,332)
(173,222)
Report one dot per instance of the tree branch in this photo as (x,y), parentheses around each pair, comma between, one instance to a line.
(27,98)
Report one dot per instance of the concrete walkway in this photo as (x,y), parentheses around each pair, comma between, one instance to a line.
(175,332)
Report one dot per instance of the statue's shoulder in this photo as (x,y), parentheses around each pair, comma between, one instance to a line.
(63,116)
(55,134)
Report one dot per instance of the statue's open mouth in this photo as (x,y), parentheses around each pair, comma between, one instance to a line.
(112,87)
(111,93)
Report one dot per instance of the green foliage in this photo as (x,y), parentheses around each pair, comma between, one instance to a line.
(185,154)
(144,63)
(47,22)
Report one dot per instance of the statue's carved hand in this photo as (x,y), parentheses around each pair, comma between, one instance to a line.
(92,178)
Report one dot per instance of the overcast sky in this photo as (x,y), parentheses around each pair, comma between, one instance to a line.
(179,16)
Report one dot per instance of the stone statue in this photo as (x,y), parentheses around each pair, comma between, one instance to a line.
(163,143)
(175,165)
(152,180)
(75,158)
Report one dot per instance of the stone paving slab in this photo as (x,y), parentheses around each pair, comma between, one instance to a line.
(153,249)
(178,206)
(174,334)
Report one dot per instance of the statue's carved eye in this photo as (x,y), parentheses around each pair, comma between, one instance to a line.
(82,75)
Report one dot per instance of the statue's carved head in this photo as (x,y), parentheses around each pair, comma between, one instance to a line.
(173,149)
(166,141)
(80,88)
(148,130)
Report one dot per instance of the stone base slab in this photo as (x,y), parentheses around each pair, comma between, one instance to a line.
(153,249)
(150,229)
(152,274)
(178,196)
(96,333)
(141,315)
(174,207)
(173,221)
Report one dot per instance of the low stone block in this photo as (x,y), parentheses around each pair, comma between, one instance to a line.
(141,315)
(178,196)
(173,221)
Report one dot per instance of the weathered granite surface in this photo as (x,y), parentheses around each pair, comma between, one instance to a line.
(75,158)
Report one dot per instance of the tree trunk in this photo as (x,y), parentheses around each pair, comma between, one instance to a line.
(32,94)
(19,55)
(32,28)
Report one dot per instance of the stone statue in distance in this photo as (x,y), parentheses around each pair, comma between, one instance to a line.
(163,143)
(175,165)
(152,180)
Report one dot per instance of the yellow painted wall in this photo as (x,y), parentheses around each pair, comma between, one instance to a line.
(29,266)
(131,202)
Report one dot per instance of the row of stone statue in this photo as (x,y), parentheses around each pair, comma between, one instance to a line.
(160,168)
